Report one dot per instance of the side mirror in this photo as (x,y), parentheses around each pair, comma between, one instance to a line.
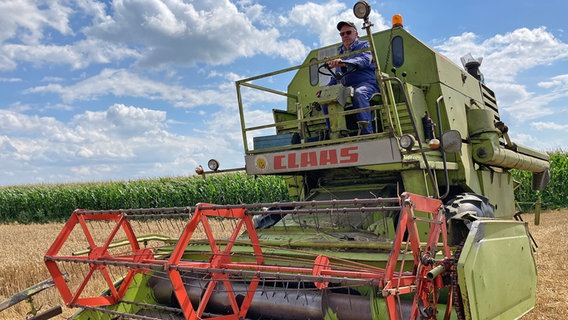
(451,141)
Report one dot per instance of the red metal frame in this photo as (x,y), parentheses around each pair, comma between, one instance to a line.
(221,259)
(422,286)
(97,253)
(392,282)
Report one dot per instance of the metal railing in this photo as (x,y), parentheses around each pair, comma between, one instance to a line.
(303,119)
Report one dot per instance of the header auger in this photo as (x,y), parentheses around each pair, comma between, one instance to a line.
(412,221)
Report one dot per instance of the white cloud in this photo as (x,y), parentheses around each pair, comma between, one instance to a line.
(19,123)
(522,105)
(255,12)
(10,79)
(121,120)
(93,9)
(30,39)
(25,21)
(6,146)
(558,83)
(322,19)
(179,33)
(154,33)
(505,56)
(6,63)
(520,50)
(539,138)
(25,24)
(120,141)
(549,125)
(123,83)
(523,138)
(79,55)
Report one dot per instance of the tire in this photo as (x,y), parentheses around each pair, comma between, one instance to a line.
(470,203)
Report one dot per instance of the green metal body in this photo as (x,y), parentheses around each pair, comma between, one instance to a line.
(496,270)
(138,291)
(432,84)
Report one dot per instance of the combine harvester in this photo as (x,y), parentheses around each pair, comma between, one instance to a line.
(414,221)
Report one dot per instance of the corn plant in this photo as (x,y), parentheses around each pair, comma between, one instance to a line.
(555,195)
(55,202)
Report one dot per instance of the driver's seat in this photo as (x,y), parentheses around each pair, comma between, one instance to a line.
(354,126)
(376,99)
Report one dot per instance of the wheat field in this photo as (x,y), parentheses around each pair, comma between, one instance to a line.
(23,248)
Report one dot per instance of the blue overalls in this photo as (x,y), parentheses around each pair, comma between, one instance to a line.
(363,81)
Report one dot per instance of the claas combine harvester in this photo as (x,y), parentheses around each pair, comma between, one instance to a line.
(413,221)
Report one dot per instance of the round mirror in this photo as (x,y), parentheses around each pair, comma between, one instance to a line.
(451,141)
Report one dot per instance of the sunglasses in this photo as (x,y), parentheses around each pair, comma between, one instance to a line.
(349,32)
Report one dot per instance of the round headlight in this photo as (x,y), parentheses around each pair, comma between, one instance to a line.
(407,141)
(362,10)
(213,164)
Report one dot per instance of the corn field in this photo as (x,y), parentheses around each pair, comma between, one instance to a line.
(55,203)
(555,195)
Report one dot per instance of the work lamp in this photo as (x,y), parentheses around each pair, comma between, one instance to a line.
(362,10)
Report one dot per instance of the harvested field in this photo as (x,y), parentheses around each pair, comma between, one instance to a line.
(23,247)
(552,292)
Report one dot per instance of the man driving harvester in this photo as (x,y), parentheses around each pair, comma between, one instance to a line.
(363,79)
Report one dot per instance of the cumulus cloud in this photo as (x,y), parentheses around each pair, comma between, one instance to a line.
(174,32)
(28,40)
(505,56)
(124,83)
(121,120)
(153,33)
(558,84)
(80,55)
(119,141)
(322,19)
(520,104)
(38,17)
(508,55)
(549,125)
(24,24)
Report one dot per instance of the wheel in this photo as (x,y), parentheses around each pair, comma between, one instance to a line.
(471,203)
(462,210)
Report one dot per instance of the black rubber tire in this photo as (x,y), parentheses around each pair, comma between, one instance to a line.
(471,203)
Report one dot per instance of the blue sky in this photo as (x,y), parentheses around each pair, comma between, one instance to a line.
(129,89)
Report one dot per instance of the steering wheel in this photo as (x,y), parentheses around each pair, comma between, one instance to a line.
(326,70)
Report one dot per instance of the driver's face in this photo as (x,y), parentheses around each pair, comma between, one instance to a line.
(348,35)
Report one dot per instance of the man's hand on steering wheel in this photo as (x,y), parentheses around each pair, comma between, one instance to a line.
(336,63)
(329,67)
